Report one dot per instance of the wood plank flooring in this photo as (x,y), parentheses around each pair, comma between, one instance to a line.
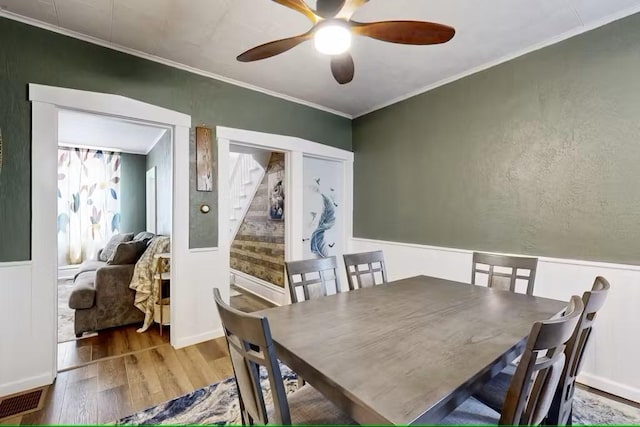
(107,344)
(126,372)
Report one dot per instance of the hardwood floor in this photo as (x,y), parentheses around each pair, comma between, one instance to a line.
(107,344)
(125,372)
(248,302)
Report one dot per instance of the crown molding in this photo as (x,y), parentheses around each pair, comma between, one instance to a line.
(557,39)
(551,41)
(93,40)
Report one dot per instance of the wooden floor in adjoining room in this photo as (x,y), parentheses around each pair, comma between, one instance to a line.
(120,384)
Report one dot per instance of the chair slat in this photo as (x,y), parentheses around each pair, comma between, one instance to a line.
(373,262)
(514,263)
(297,275)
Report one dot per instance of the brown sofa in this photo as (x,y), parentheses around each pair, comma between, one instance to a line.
(101,296)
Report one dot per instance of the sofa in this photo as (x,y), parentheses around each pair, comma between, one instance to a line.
(101,296)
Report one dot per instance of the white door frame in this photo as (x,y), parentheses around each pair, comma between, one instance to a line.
(46,102)
(295,149)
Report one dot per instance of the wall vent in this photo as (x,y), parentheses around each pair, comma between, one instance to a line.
(22,403)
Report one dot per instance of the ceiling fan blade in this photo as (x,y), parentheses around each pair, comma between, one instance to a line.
(329,8)
(342,68)
(300,6)
(273,48)
(405,32)
(349,8)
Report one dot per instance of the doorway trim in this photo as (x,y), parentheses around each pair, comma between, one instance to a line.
(295,150)
(46,102)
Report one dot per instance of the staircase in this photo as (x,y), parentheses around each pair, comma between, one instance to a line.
(247,171)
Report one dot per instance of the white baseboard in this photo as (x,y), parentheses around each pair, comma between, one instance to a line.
(25,384)
(265,290)
(611,387)
(68,272)
(196,339)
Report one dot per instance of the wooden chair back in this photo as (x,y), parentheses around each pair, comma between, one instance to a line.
(593,300)
(373,273)
(534,383)
(500,279)
(250,347)
(313,277)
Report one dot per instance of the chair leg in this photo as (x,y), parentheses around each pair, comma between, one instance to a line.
(570,419)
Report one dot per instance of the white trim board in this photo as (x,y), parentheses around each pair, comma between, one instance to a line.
(549,42)
(557,39)
(610,363)
(168,62)
(295,150)
(13,264)
(106,104)
(262,289)
(35,305)
(195,339)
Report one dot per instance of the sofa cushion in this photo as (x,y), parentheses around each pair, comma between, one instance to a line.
(83,294)
(128,252)
(144,235)
(111,245)
(89,265)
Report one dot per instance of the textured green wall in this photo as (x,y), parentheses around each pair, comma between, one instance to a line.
(32,55)
(539,155)
(133,205)
(160,157)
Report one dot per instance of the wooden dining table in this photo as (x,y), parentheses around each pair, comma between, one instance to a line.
(405,352)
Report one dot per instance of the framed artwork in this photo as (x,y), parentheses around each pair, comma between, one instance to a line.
(204,159)
(276,196)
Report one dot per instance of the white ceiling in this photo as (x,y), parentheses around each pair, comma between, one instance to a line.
(209,34)
(107,133)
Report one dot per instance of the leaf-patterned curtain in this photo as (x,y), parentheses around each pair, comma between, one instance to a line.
(88,202)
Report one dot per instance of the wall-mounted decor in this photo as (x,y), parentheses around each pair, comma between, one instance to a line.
(204,159)
(323,219)
(276,196)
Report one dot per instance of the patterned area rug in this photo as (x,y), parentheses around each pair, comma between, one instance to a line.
(65,314)
(218,404)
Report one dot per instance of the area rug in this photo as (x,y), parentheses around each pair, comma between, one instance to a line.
(65,314)
(218,404)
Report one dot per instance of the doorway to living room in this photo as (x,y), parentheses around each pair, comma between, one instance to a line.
(110,216)
(39,366)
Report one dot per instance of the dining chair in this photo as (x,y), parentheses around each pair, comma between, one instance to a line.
(535,380)
(312,276)
(501,279)
(373,273)
(250,349)
(561,408)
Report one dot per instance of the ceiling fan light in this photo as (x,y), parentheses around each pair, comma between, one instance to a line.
(333,39)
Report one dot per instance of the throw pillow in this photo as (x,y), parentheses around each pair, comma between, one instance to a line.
(128,252)
(110,247)
(144,235)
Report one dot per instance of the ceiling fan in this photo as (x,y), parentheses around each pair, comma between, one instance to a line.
(333,28)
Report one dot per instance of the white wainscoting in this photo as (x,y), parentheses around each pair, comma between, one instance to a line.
(612,358)
(19,317)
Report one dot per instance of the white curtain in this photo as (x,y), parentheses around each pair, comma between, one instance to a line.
(88,202)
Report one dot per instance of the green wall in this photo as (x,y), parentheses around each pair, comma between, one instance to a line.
(539,155)
(160,157)
(32,55)
(133,204)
